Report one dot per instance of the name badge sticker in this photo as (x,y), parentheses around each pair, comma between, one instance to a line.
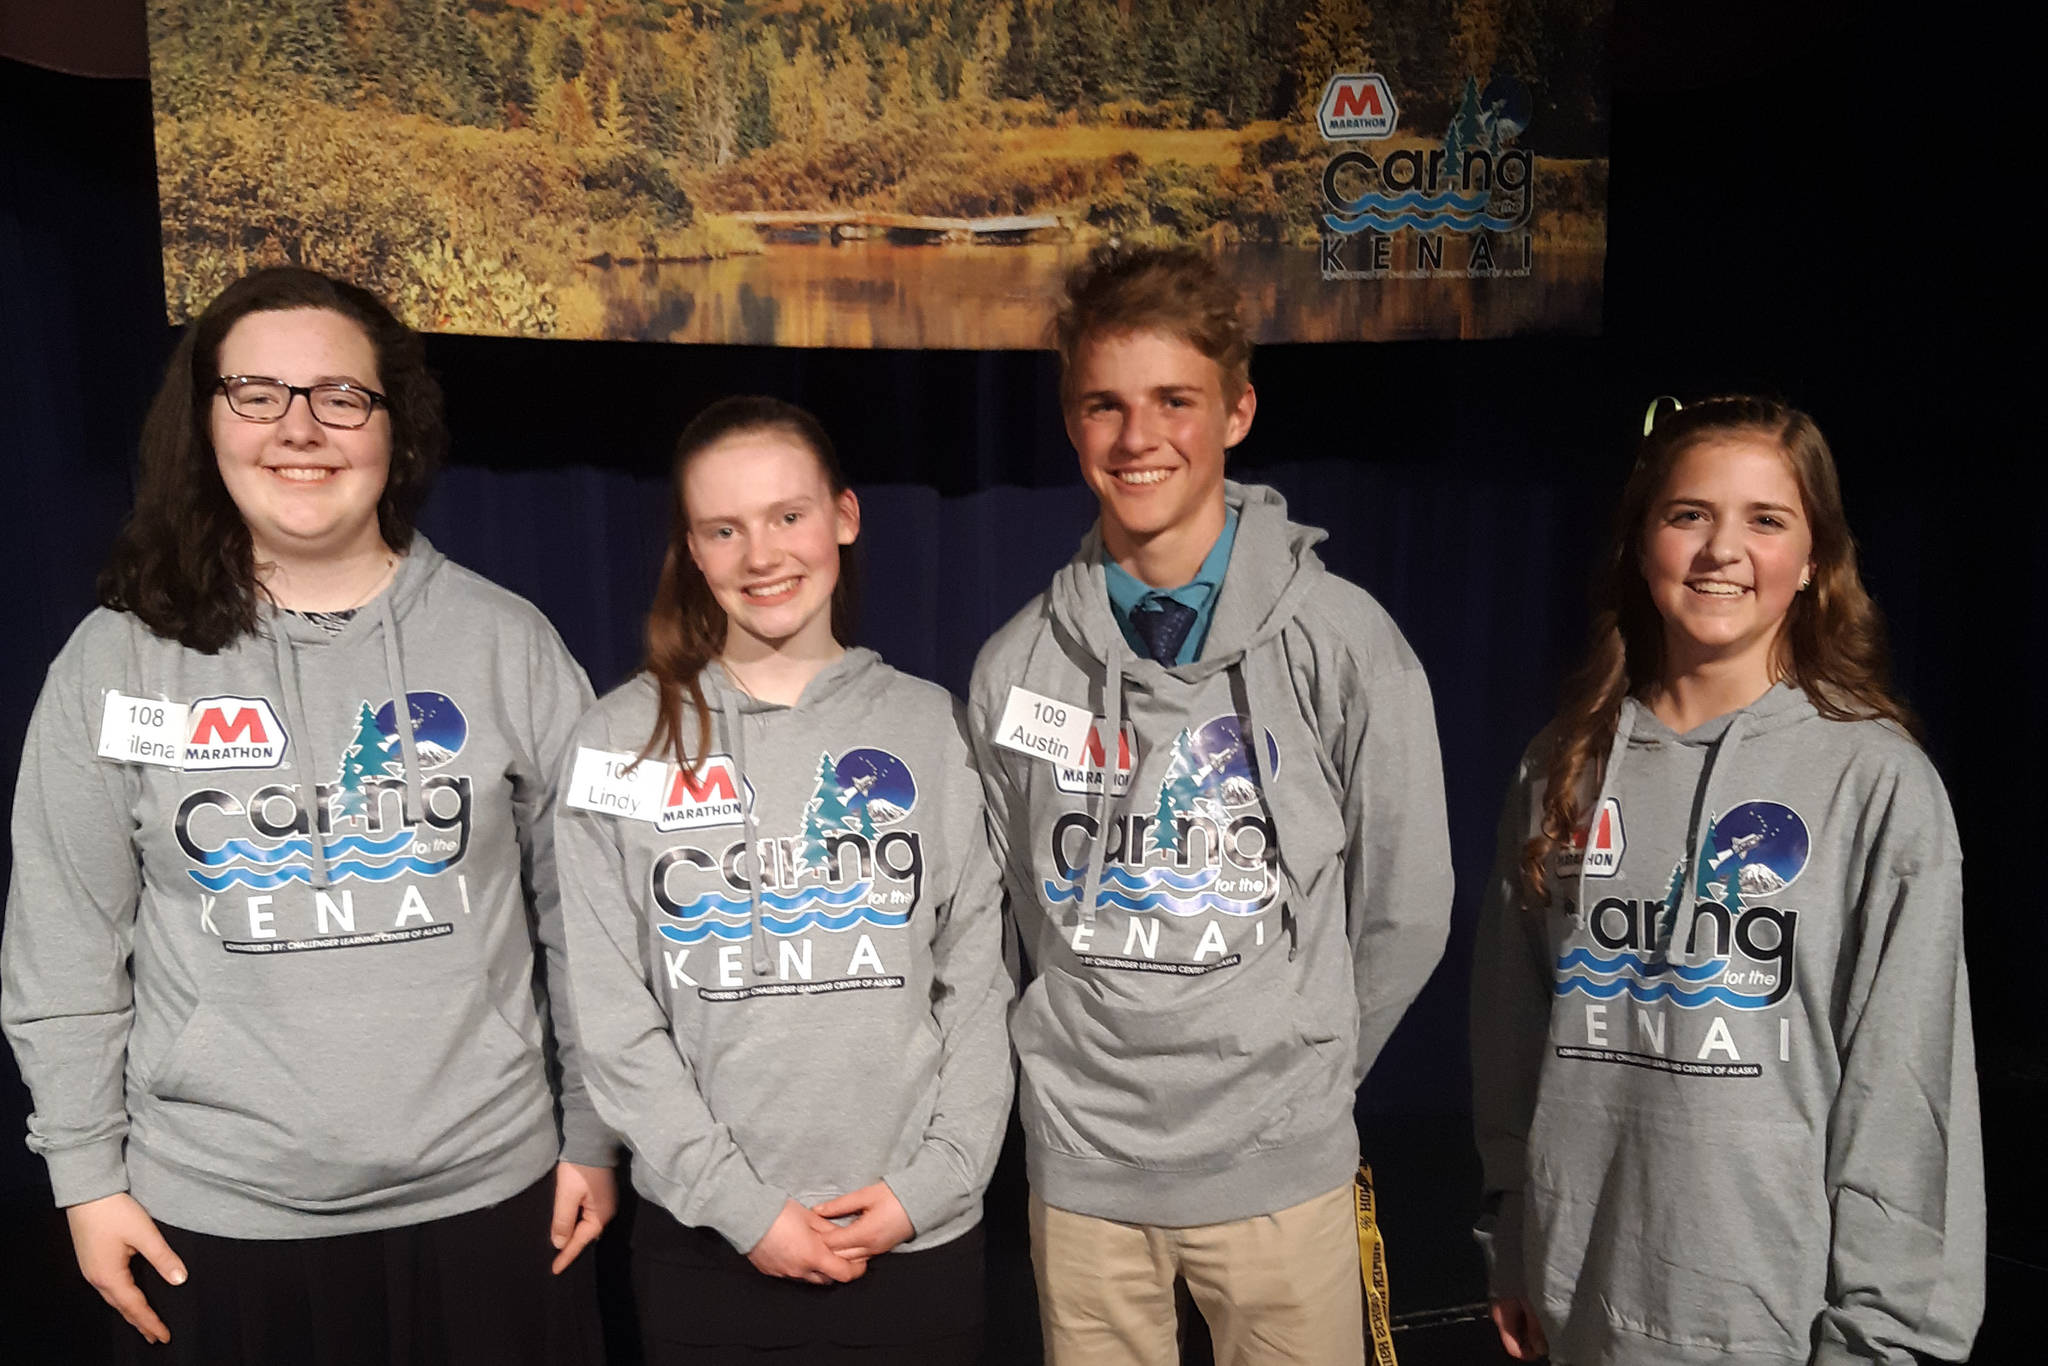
(143,730)
(599,782)
(1043,727)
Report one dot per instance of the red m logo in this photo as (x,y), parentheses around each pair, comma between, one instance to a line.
(714,784)
(213,727)
(1361,98)
(1092,754)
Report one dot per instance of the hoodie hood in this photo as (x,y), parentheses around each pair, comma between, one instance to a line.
(1273,566)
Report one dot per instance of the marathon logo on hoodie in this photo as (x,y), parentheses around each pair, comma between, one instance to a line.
(708,794)
(1596,847)
(835,894)
(1736,947)
(371,831)
(1204,851)
(1089,774)
(212,733)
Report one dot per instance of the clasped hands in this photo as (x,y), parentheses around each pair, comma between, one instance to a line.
(804,1244)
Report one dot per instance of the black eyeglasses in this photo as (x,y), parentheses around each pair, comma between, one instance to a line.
(267,400)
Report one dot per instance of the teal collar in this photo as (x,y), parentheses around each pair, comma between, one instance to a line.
(1128,593)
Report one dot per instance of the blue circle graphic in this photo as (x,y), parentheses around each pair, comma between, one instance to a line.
(877,780)
(438,727)
(1756,849)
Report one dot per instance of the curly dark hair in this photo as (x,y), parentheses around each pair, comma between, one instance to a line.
(184,563)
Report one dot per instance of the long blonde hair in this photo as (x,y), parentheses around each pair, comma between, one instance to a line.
(1832,645)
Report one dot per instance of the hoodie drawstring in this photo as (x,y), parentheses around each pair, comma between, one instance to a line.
(1692,883)
(1253,739)
(1112,754)
(401,711)
(295,725)
(736,736)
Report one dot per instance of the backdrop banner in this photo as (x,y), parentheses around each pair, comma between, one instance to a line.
(888,173)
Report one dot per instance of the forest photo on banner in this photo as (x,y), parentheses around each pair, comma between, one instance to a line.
(893,173)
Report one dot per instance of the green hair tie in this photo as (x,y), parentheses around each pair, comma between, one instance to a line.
(1650,413)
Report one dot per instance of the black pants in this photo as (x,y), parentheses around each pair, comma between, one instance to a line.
(469,1290)
(703,1304)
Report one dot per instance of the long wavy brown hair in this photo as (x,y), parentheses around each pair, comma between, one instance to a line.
(1832,644)
(183,563)
(686,626)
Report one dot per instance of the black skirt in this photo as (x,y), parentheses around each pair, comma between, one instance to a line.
(703,1304)
(472,1289)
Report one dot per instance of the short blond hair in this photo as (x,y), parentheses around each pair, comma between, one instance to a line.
(1174,290)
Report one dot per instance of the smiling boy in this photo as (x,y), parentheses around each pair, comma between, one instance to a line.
(1213,779)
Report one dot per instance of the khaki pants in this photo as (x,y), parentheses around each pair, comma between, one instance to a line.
(1276,1288)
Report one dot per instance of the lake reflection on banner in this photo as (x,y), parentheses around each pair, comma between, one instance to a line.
(876,294)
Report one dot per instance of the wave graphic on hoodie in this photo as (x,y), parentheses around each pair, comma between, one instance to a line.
(270,857)
(299,872)
(1118,886)
(724,917)
(1633,970)
(1624,962)
(818,919)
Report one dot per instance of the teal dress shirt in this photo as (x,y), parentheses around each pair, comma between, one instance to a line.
(1127,594)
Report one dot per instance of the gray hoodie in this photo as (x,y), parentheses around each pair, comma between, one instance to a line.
(265,1035)
(788,961)
(1725,1093)
(1223,934)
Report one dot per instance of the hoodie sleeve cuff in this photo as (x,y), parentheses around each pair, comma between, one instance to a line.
(929,1191)
(586,1141)
(1499,1236)
(90,1172)
(742,1214)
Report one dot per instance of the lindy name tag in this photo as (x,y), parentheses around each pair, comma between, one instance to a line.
(1043,727)
(599,782)
(144,730)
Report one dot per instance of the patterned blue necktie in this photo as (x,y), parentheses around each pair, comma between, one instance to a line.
(1163,625)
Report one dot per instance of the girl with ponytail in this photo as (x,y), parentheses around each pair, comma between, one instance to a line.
(1724,1084)
(784,927)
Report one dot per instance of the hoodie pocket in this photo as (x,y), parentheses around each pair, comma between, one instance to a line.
(1696,1230)
(331,1102)
(1190,1086)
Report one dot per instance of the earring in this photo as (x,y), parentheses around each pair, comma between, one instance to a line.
(1805,578)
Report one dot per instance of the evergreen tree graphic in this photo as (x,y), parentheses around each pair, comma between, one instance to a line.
(364,758)
(1466,130)
(1177,793)
(825,814)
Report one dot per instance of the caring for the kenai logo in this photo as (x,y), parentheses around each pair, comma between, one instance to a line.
(1203,847)
(372,826)
(840,875)
(1732,948)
